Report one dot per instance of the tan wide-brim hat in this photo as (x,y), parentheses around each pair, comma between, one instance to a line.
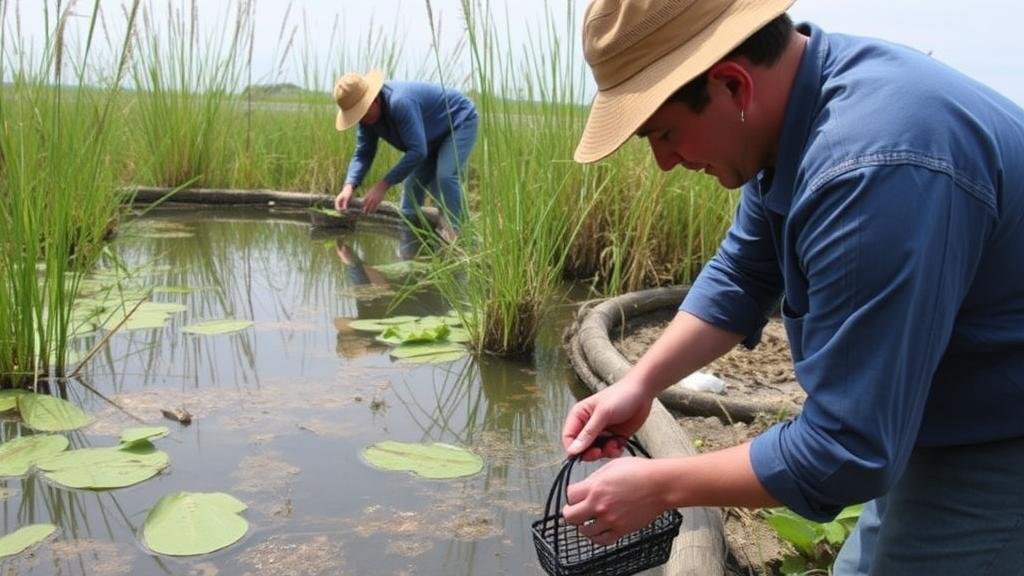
(354,93)
(642,51)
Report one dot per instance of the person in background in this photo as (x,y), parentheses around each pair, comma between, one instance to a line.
(882,199)
(435,128)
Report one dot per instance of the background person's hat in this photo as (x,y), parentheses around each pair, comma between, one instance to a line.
(641,51)
(354,94)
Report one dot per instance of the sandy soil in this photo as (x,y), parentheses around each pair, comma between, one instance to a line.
(762,374)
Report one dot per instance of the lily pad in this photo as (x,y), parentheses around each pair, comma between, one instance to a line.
(9,398)
(435,460)
(47,413)
(190,523)
(24,538)
(402,268)
(18,455)
(368,326)
(413,332)
(429,351)
(214,327)
(132,435)
(105,468)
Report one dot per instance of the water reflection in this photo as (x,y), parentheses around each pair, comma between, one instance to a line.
(283,410)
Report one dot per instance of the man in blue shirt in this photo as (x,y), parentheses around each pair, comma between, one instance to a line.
(434,127)
(883,200)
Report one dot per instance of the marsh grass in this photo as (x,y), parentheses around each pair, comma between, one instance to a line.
(58,195)
(184,82)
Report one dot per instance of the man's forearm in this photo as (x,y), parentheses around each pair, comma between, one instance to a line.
(687,344)
(720,478)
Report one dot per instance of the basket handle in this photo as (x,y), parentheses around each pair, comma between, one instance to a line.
(561,483)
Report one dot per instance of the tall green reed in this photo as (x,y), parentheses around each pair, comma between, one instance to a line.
(58,196)
(530,198)
(184,79)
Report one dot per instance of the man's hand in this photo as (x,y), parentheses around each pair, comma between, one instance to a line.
(373,198)
(619,498)
(619,409)
(341,200)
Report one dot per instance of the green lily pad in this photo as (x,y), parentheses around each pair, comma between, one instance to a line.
(413,332)
(458,335)
(47,413)
(132,435)
(18,455)
(105,468)
(214,327)
(24,538)
(190,523)
(398,320)
(148,315)
(436,460)
(429,351)
(402,268)
(368,325)
(9,398)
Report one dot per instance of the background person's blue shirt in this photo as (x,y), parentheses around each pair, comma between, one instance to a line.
(415,118)
(893,225)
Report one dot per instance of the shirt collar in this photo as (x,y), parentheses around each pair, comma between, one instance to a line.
(800,112)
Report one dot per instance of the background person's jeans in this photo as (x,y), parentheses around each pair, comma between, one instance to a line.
(957,510)
(439,174)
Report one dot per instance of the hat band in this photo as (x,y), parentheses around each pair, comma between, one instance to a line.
(629,61)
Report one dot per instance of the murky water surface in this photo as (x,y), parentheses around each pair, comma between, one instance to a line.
(282,410)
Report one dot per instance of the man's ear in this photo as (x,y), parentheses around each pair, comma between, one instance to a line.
(733,77)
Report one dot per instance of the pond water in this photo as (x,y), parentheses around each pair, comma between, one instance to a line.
(282,410)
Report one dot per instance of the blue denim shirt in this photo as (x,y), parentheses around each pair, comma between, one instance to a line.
(893,226)
(416,117)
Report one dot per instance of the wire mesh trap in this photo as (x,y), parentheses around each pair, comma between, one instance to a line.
(563,551)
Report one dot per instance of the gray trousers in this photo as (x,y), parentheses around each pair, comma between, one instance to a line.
(956,511)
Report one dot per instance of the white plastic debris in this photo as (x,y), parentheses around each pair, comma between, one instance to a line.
(703,382)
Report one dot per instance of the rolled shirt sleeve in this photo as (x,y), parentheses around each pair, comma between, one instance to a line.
(883,257)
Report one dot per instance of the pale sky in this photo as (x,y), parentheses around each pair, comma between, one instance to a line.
(981,38)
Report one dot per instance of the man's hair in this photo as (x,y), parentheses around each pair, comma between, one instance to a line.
(764,48)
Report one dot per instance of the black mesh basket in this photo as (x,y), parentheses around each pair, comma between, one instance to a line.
(563,551)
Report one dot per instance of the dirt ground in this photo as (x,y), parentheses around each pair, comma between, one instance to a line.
(764,374)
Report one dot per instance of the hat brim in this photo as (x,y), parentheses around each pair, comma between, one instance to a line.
(349,118)
(618,112)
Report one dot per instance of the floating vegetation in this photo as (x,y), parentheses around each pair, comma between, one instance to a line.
(9,398)
(45,413)
(105,468)
(435,460)
(419,338)
(215,327)
(132,435)
(20,454)
(149,315)
(24,538)
(402,268)
(191,523)
(429,352)
(331,218)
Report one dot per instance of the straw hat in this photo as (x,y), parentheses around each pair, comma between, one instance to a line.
(354,94)
(642,51)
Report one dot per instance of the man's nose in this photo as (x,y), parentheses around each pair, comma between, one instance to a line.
(663,155)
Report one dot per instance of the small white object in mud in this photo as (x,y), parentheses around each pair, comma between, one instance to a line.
(703,382)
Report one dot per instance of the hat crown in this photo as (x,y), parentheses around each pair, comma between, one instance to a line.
(622,37)
(349,90)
